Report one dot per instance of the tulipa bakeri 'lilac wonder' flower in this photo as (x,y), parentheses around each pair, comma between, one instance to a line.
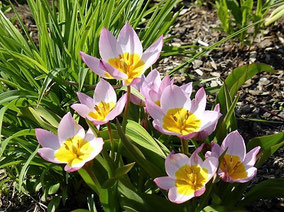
(72,146)
(123,58)
(178,115)
(103,107)
(187,177)
(236,165)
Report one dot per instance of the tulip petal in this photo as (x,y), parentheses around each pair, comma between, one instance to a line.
(81,109)
(235,144)
(199,192)
(208,118)
(48,155)
(216,151)
(68,128)
(129,41)
(195,159)
(95,65)
(151,54)
(199,103)
(211,164)
(104,92)
(250,158)
(164,83)
(116,74)
(108,45)
(187,88)
(47,139)
(68,168)
(174,97)
(174,162)
(165,182)
(153,80)
(154,110)
(117,110)
(175,197)
(251,172)
(86,100)
(157,124)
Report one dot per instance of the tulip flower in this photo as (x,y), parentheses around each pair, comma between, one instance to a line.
(201,136)
(134,99)
(103,107)
(72,146)
(187,177)
(123,58)
(236,165)
(180,116)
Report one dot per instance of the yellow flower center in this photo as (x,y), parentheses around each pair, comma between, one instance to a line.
(130,64)
(190,179)
(233,167)
(181,121)
(74,150)
(102,109)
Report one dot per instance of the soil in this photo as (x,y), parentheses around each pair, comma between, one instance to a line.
(261,98)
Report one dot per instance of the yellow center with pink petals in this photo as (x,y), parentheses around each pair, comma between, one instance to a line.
(190,179)
(232,166)
(102,110)
(181,121)
(74,151)
(130,64)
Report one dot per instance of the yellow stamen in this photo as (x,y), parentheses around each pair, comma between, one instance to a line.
(233,167)
(190,179)
(74,151)
(102,110)
(130,64)
(181,121)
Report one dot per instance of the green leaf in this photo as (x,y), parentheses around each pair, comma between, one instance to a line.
(221,208)
(53,188)
(265,142)
(81,210)
(120,171)
(90,180)
(266,189)
(53,204)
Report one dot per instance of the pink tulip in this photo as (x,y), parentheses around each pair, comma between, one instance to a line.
(123,58)
(103,107)
(180,116)
(187,177)
(236,165)
(72,146)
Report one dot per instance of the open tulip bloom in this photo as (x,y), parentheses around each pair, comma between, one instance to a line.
(123,58)
(187,177)
(103,107)
(236,165)
(72,146)
(180,116)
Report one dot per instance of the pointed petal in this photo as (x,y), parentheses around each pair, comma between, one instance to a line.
(153,80)
(175,197)
(165,83)
(251,173)
(68,128)
(151,54)
(211,165)
(195,159)
(96,143)
(133,82)
(164,182)
(117,110)
(48,154)
(216,151)
(85,99)
(174,97)
(108,46)
(47,139)
(207,118)
(187,88)
(157,124)
(235,144)
(199,103)
(68,168)
(94,64)
(81,109)
(250,158)
(174,162)
(129,41)
(104,92)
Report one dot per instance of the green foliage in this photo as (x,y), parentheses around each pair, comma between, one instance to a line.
(235,15)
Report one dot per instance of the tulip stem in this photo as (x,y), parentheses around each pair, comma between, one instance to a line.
(124,121)
(111,141)
(184,146)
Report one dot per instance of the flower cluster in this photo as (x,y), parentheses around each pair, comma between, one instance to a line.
(172,109)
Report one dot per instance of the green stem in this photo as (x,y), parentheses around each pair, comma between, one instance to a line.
(109,161)
(184,146)
(111,141)
(124,121)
